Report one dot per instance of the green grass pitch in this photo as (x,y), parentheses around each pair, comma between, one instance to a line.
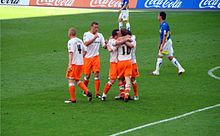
(34,60)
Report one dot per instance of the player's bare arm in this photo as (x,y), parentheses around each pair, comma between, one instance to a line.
(122,40)
(129,44)
(109,48)
(70,61)
(84,53)
(105,46)
(91,41)
(163,42)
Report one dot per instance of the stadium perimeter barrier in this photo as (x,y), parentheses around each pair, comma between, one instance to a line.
(113,4)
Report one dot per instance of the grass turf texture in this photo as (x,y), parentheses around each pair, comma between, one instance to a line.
(33,84)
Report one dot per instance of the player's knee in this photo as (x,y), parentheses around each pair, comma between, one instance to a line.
(96,77)
(96,74)
(119,20)
(160,56)
(170,58)
(86,77)
(78,82)
(127,86)
(112,82)
(71,83)
(134,82)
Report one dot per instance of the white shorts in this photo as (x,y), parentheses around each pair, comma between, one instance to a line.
(124,15)
(167,48)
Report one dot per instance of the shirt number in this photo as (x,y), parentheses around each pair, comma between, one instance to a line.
(79,48)
(126,50)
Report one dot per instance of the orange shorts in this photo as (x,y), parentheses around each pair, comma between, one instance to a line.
(135,72)
(113,71)
(91,64)
(124,68)
(75,73)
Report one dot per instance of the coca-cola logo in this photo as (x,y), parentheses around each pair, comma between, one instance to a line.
(105,3)
(55,2)
(209,4)
(163,3)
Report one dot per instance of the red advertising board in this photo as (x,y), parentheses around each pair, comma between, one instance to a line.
(82,3)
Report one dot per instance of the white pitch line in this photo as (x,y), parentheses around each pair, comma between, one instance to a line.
(165,120)
(210,72)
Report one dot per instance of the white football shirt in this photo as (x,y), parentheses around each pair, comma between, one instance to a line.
(93,48)
(133,50)
(124,52)
(114,53)
(77,47)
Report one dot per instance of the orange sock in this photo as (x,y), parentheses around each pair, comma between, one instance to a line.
(83,87)
(126,93)
(107,88)
(97,86)
(122,93)
(72,93)
(122,90)
(86,82)
(135,89)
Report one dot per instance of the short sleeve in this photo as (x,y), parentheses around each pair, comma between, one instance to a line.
(112,44)
(84,47)
(70,47)
(164,29)
(102,40)
(85,37)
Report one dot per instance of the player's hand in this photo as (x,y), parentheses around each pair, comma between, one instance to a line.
(161,49)
(95,36)
(159,46)
(128,39)
(106,41)
(69,67)
(105,47)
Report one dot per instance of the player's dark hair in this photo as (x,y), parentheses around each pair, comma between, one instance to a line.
(94,23)
(115,32)
(163,15)
(124,32)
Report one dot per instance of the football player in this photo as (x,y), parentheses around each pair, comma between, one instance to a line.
(74,71)
(165,46)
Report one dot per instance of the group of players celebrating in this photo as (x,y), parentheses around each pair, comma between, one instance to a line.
(84,58)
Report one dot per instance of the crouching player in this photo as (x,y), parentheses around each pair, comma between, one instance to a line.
(74,71)
(112,48)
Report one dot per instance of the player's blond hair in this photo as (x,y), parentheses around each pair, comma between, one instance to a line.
(72,31)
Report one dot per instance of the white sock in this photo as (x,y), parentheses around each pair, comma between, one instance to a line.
(128,27)
(176,63)
(158,64)
(103,95)
(120,25)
